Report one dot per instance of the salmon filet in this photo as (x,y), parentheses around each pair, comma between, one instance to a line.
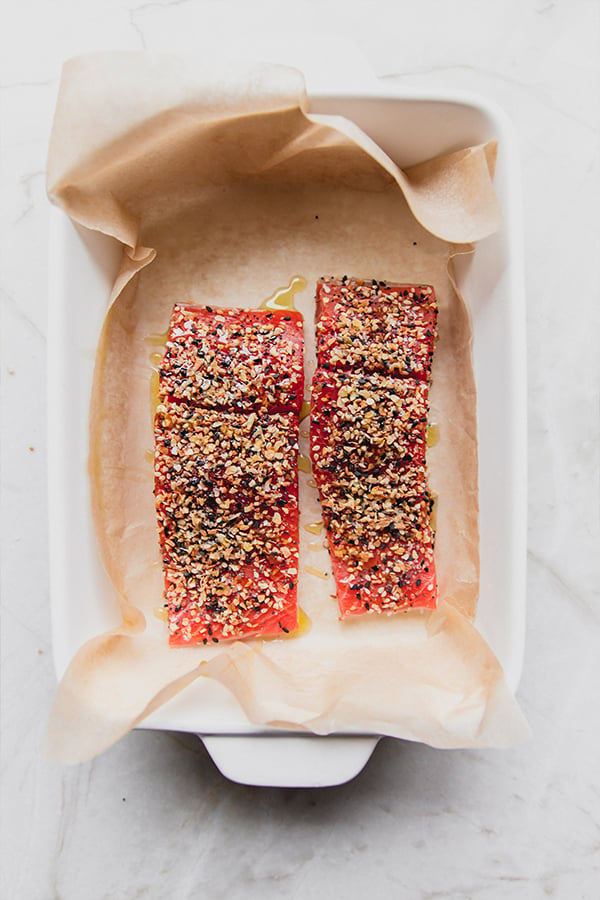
(375,345)
(231,384)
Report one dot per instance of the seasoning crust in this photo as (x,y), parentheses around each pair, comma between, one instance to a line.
(375,345)
(226,487)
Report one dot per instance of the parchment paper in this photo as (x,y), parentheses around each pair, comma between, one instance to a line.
(221,187)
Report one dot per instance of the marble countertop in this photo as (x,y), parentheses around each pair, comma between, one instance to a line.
(152,817)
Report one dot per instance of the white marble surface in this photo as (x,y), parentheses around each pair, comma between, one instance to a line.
(152,818)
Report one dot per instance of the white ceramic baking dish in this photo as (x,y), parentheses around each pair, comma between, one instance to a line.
(410,127)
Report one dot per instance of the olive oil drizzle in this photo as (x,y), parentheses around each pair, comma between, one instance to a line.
(433,435)
(304,625)
(156,357)
(283,298)
(304,463)
(314,528)
(317,572)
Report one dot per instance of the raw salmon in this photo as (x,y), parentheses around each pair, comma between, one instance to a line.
(226,487)
(368,441)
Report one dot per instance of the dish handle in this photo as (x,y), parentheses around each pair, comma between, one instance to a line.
(279,760)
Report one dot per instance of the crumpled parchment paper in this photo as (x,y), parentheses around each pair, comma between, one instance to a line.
(221,187)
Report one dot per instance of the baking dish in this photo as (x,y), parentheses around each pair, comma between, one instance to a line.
(410,127)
